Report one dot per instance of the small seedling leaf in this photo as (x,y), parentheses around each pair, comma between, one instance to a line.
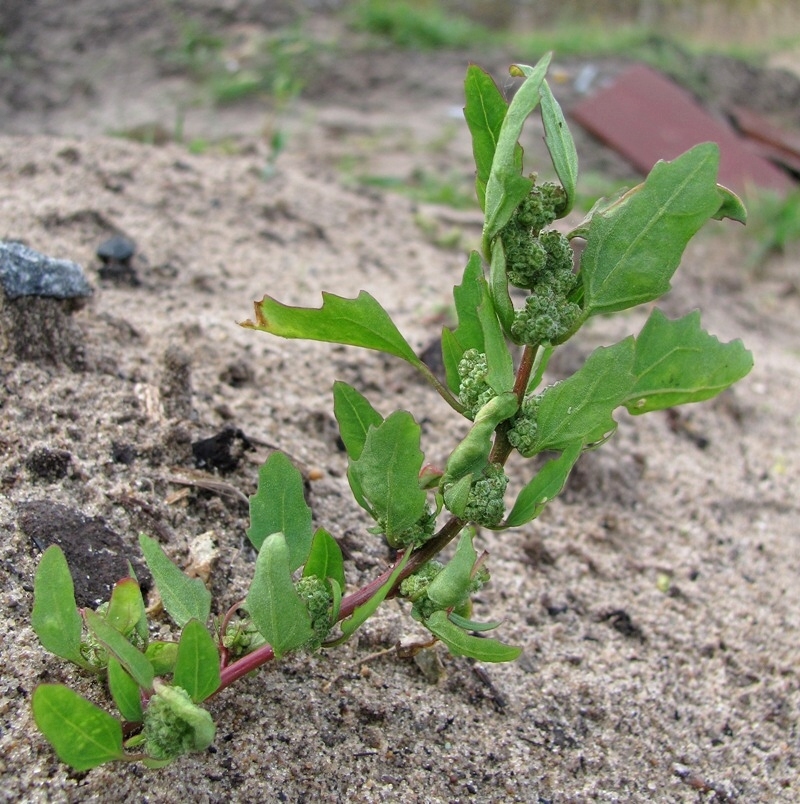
(272,602)
(124,691)
(546,485)
(55,618)
(279,506)
(560,144)
(82,734)
(355,416)
(197,662)
(126,611)
(134,661)
(184,598)
(162,655)
(677,362)
(634,246)
(461,643)
(579,408)
(387,473)
(325,559)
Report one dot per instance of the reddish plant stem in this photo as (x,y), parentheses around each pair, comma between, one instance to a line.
(500,452)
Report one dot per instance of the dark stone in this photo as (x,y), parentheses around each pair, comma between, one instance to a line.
(97,555)
(116,254)
(117,248)
(222,451)
(25,272)
(48,464)
(123,453)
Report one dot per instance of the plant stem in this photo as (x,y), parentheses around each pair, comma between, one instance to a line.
(501,448)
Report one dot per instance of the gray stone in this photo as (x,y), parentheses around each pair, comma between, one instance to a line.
(25,272)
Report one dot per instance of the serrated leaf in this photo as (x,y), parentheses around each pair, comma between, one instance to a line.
(355,416)
(579,408)
(272,602)
(184,598)
(133,660)
(125,692)
(451,585)
(546,484)
(506,186)
(560,144)
(484,112)
(634,246)
(279,506)
(55,618)
(82,734)
(325,559)
(355,322)
(677,362)
(461,643)
(362,613)
(387,472)
(197,663)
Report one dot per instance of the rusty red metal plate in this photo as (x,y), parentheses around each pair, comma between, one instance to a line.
(646,117)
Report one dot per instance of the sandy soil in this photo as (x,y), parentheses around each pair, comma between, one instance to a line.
(657,602)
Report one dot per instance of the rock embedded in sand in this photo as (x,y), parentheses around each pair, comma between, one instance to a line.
(39,295)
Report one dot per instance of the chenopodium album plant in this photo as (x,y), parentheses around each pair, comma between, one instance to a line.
(495,360)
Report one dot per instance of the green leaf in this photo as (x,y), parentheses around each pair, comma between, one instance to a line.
(279,506)
(325,559)
(731,206)
(560,144)
(484,112)
(677,362)
(456,495)
(469,332)
(272,602)
(471,455)
(197,663)
(184,598)
(387,472)
(55,618)
(579,408)
(355,322)
(162,655)
(124,691)
(498,285)
(462,644)
(506,186)
(126,611)
(362,613)
(82,734)
(134,661)
(634,246)
(355,416)
(500,374)
(472,625)
(546,484)
(451,585)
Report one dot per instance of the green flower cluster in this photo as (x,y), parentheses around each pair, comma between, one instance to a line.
(473,390)
(522,433)
(419,533)
(316,595)
(485,505)
(175,725)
